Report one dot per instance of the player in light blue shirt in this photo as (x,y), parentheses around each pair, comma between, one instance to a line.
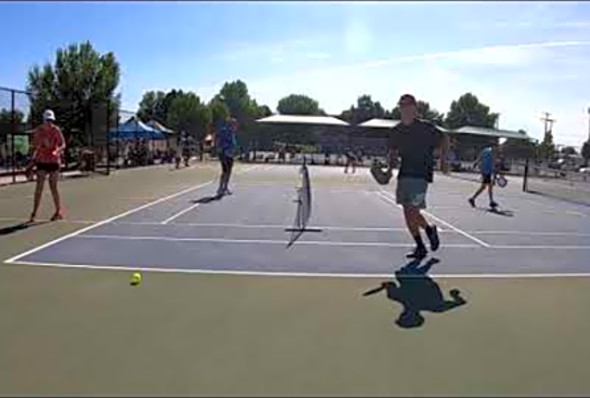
(486,161)
(226,145)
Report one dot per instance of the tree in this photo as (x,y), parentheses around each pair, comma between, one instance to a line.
(297,104)
(468,111)
(569,151)
(153,105)
(546,150)
(364,110)
(80,80)
(187,113)
(219,111)
(424,112)
(586,152)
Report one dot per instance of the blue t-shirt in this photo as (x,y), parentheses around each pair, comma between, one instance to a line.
(226,139)
(487,161)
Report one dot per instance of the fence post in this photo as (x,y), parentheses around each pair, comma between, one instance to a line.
(526,175)
(13,125)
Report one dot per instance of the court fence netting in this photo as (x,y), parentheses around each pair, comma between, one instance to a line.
(568,185)
(99,136)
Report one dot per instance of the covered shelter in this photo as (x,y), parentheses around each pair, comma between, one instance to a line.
(302,133)
(133,129)
(466,141)
(168,133)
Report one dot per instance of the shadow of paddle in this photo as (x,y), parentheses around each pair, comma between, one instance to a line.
(19,227)
(417,292)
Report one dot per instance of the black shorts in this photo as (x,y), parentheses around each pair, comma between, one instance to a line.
(48,167)
(486,178)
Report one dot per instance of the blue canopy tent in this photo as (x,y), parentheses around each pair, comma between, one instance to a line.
(135,129)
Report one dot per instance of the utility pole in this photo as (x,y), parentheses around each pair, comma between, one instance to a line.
(549,122)
(548,127)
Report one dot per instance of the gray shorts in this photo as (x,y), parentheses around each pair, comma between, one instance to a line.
(411,192)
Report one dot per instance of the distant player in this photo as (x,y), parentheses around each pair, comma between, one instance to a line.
(415,141)
(350,161)
(48,145)
(486,161)
(226,145)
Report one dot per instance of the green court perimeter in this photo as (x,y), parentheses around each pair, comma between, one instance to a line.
(69,331)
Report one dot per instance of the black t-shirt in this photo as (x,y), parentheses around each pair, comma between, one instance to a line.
(416,143)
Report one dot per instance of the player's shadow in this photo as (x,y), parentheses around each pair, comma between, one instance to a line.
(498,212)
(207,199)
(18,227)
(417,292)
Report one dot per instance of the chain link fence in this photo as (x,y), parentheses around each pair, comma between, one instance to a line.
(16,130)
(85,129)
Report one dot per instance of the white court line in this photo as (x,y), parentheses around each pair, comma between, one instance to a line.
(384,194)
(108,220)
(261,241)
(540,247)
(299,274)
(531,233)
(272,226)
(180,213)
(103,222)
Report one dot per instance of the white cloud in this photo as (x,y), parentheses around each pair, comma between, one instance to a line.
(317,55)
(440,78)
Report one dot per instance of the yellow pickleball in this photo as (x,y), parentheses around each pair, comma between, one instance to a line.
(135,279)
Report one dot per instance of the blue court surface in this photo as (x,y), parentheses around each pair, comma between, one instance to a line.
(357,231)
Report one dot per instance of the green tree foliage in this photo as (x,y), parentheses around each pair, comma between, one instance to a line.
(153,106)
(569,151)
(546,149)
(586,152)
(78,82)
(187,113)
(364,110)
(468,111)
(219,111)
(297,104)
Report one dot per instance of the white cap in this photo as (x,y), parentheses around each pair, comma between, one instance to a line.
(49,115)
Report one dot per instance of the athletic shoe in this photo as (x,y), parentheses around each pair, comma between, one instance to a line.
(472,202)
(493,205)
(419,253)
(432,234)
(57,216)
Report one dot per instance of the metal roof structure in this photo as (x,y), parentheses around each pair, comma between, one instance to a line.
(159,126)
(300,119)
(481,131)
(380,123)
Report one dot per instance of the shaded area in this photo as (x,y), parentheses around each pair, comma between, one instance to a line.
(19,227)
(417,292)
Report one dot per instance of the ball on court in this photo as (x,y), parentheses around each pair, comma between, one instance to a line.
(135,279)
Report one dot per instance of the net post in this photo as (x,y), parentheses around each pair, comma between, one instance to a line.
(13,130)
(107,124)
(526,175)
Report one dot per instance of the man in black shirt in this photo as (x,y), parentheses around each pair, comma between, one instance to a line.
(415,141)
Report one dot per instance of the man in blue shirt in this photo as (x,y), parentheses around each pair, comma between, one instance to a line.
(486,161)
(226,144)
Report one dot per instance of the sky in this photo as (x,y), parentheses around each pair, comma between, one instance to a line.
(521,59)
